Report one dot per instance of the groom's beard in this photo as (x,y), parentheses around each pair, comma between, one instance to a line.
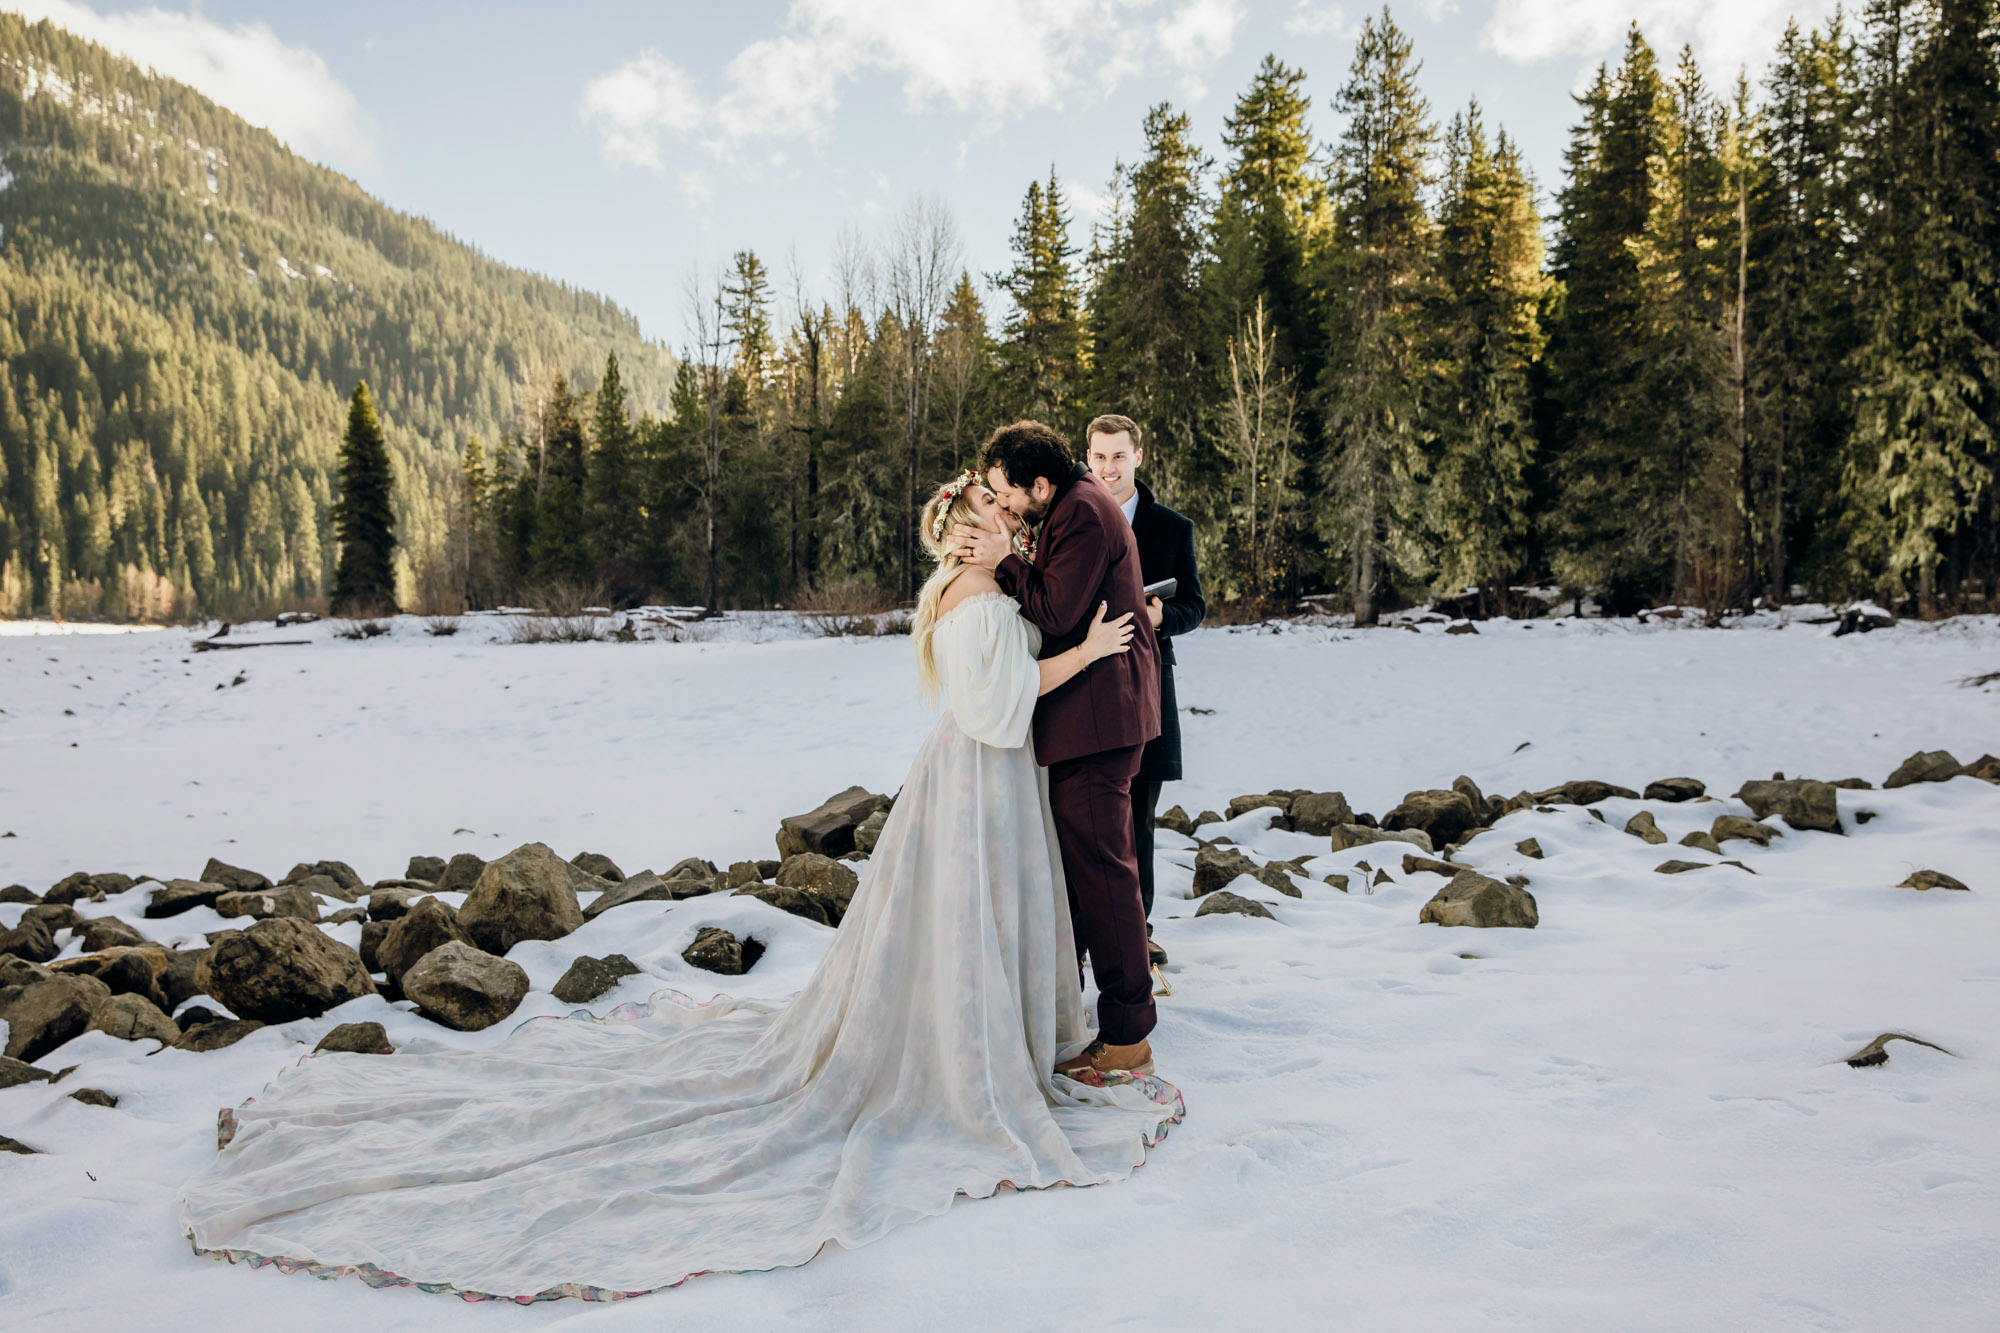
(1036,512)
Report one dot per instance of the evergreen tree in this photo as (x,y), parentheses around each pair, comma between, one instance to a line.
(1380,265)
(1042,353)
(364,583)
(1488,334)
(559,552)
(965,369)
(1147,356)
(1922,462)
(747,314)
(615,508)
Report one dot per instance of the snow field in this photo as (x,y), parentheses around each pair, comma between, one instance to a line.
(1633,1117)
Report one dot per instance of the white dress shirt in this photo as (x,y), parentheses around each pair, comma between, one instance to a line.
(1131,507)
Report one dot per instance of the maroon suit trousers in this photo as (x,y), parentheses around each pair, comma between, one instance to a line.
(1091,798)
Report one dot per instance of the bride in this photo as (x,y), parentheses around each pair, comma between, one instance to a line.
(603,1158)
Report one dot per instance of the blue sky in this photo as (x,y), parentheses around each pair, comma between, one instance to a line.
(622,146)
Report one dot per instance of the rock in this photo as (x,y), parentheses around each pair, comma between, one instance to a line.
(18,893)
(1234,904)
(461,987)
(1803,805)
(1925,766)
(1702,839)
(1471,899)
(177,979)
(1412,863)
(194,1016)
(356,1039)
(1876,1052)
(694,867)
(416,887)
(796,901)
(1462,627)
(1986,768)
(1360,835)
(1644,826)
(1274,876)
(1584,791)
(588,978)
(214,1036)
(44,1014)
(1338,881)
(339,872)
(429,924)
(133,1018)
(292,901)
(233,877)
(56,916)
(32,940)
(1863,619)
(181,895)
(13,1073)
(1177,820)
(1931,879)
(372,935)
(1206,817)
(741,874)
(69,888)
(1530,848)
(828,829)
(1675,789)
(598,864)
(646,887)
(16,971)
(1278,801)
(1320,812)
(460,873)
(95,1097)
(125,970)
(427,868)
(389,904)
(525,895)
(16,1146)
(768,869)
(347,914)
(1749,830)
(1382,877)
(716,950)
(281,969)
(110,884)
(825,879)
(105,932)
(1677,867)
(869,832)
(1215,866)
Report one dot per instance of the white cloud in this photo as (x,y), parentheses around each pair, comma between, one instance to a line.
(1320,20)
(1725,34)
(286,89)
(995,58)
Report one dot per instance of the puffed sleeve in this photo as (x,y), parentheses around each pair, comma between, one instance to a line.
(985,656)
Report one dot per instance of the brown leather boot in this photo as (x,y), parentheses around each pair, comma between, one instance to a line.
(1099,1059)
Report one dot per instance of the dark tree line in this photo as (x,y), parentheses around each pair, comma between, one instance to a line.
(1755,357)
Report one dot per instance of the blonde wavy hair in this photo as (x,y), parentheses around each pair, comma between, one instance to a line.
(950,503)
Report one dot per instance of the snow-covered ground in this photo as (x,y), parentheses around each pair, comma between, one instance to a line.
(1633,1117)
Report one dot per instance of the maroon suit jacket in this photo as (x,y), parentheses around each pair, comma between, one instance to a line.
(1086,555)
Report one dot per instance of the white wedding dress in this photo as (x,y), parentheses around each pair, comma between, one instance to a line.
(602,1158)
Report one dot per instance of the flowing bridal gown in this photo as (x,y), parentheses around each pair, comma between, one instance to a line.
(607,1157)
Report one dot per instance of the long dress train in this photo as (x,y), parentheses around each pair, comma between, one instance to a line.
(607,1157)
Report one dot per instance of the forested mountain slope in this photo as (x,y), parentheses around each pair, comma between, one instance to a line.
(185,305)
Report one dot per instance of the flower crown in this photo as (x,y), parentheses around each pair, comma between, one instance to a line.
(948,493)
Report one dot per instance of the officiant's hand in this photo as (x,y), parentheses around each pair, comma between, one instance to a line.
(981,546)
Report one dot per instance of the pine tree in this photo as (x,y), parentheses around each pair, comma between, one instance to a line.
(747,314)
(1488,336)
(1042,353)
(1921,467)
(615,497)
(1379,267)
(364,582)
(964,368)
(559,553)
(1147,356)
(1272,219)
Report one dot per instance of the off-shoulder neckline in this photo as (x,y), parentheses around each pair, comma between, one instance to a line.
(971,601)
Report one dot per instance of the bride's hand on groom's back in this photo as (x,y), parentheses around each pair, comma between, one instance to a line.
(1107,638)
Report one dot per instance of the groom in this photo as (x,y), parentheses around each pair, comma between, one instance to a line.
(1091,732)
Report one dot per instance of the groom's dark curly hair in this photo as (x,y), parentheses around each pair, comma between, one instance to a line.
(1029,449)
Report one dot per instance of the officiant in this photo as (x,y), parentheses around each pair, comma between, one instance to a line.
(1115,451)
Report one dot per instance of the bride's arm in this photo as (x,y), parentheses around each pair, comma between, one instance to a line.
(1106,638)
